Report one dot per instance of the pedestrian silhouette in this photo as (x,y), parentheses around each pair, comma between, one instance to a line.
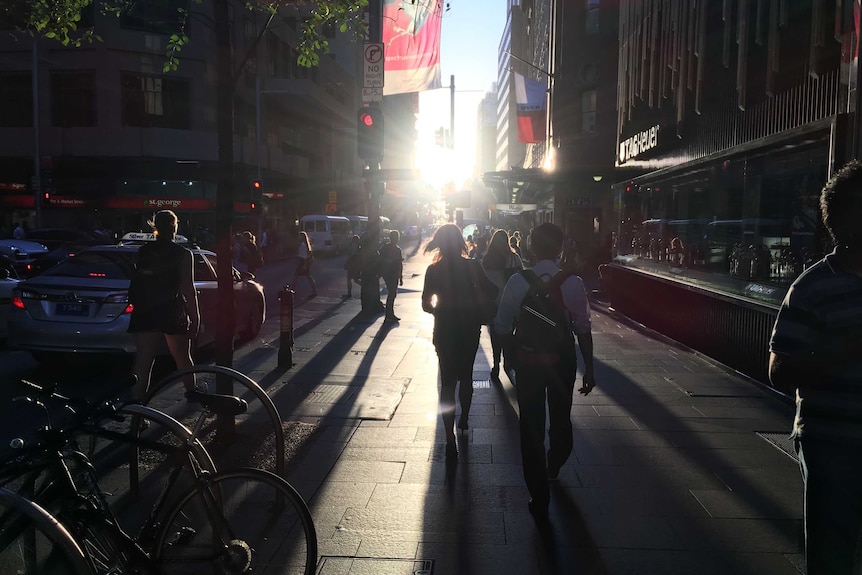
(814,356)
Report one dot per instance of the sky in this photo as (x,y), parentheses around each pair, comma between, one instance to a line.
(471,32)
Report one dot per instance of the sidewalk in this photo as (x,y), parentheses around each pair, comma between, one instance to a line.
(677,466)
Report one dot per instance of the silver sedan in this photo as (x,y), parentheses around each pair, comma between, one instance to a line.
(82,306)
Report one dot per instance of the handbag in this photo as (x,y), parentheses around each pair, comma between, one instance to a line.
(484,294)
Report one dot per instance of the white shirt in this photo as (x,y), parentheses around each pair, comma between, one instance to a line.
(574,298)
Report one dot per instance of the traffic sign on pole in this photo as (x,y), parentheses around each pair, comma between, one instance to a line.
(372,65)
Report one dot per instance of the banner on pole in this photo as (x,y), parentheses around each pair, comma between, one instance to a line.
(411,36)
(530,98)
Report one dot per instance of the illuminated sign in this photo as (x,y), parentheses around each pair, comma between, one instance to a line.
(632,147)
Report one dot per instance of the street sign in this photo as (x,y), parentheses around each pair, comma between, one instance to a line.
(372,94)
(372,65)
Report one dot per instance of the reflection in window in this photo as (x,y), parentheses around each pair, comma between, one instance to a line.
(588,111)
(16,94)
(591,17)
(155,102)
(73,99)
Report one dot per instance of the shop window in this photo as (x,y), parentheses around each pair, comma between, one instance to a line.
(588,111)
(157,16)
(16,96)
(73,99)
(155,102)
(591,17)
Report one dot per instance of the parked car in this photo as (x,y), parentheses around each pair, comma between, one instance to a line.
(22,253)
(55,237)
(81,305)
(8,281)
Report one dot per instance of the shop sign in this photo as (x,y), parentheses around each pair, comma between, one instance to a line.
(642,142)
(66,202)
(25,201)
(12,186)
(159,203)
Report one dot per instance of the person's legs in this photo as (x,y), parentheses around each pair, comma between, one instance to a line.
(448,380)
(560,390)
(832,476)
(530,393)
(180,346)
(146,346)
(496,352)
(391,292)
(465,375)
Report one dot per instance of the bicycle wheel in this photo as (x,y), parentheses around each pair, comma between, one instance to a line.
(33,542)
(239,521)
(168,395)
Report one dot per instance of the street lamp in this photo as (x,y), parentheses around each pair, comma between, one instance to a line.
(597,179)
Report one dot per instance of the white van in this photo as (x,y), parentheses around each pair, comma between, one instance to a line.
(358,224)
(327,234)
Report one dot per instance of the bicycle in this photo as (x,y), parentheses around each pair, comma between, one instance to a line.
(237,521)
(33,542)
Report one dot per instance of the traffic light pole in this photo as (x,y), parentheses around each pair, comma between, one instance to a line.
(370,289)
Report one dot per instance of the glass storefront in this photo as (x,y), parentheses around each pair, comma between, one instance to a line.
(744,225)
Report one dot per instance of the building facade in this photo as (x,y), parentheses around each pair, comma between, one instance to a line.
(101,136)
(737,113)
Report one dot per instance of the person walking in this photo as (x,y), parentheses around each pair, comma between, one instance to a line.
(252,251)
(353,265)
(814,356)
(546,382)
(305,257)
(446,295)
(499,262)
(165,303)
(391,270)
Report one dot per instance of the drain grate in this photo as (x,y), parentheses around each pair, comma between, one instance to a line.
(780,441)
(375,565)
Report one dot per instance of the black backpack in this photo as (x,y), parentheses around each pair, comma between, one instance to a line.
(543,333)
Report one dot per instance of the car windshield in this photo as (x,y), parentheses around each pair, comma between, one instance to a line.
(96,264)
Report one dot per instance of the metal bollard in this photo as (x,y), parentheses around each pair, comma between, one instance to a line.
(285,342)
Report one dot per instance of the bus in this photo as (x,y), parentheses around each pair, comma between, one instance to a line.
(359,225)
(327,234)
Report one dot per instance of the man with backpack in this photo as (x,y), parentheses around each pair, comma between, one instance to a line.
(541,308)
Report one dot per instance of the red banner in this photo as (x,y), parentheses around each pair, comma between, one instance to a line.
(411,39)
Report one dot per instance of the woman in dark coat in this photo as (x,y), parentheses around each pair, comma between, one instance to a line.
(165,303)
(448,295)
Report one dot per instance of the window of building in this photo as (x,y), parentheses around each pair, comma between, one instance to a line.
(157,16)
(16,94)
(591,17)
(155,102)
(73,99)
(588,111)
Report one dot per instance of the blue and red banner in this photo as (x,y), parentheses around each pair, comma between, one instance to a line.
(411,44)
(530,98)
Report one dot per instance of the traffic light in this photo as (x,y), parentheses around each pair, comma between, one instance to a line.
(46,198)
(369,134)
(257,186)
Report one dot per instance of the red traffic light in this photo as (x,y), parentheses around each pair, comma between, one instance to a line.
(366,119)
(256,184)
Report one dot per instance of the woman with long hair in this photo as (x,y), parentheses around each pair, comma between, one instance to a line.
(448,295)
(165,303)
(500,262)
(305,255)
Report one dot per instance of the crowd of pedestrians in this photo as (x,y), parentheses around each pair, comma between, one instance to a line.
(812,349)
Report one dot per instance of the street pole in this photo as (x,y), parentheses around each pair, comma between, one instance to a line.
(37,159)
(370,289)
(452,111)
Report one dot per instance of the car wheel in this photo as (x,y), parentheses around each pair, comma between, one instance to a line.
(255,320)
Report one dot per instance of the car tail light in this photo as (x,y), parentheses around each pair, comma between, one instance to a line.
(19,295)
(120,298)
